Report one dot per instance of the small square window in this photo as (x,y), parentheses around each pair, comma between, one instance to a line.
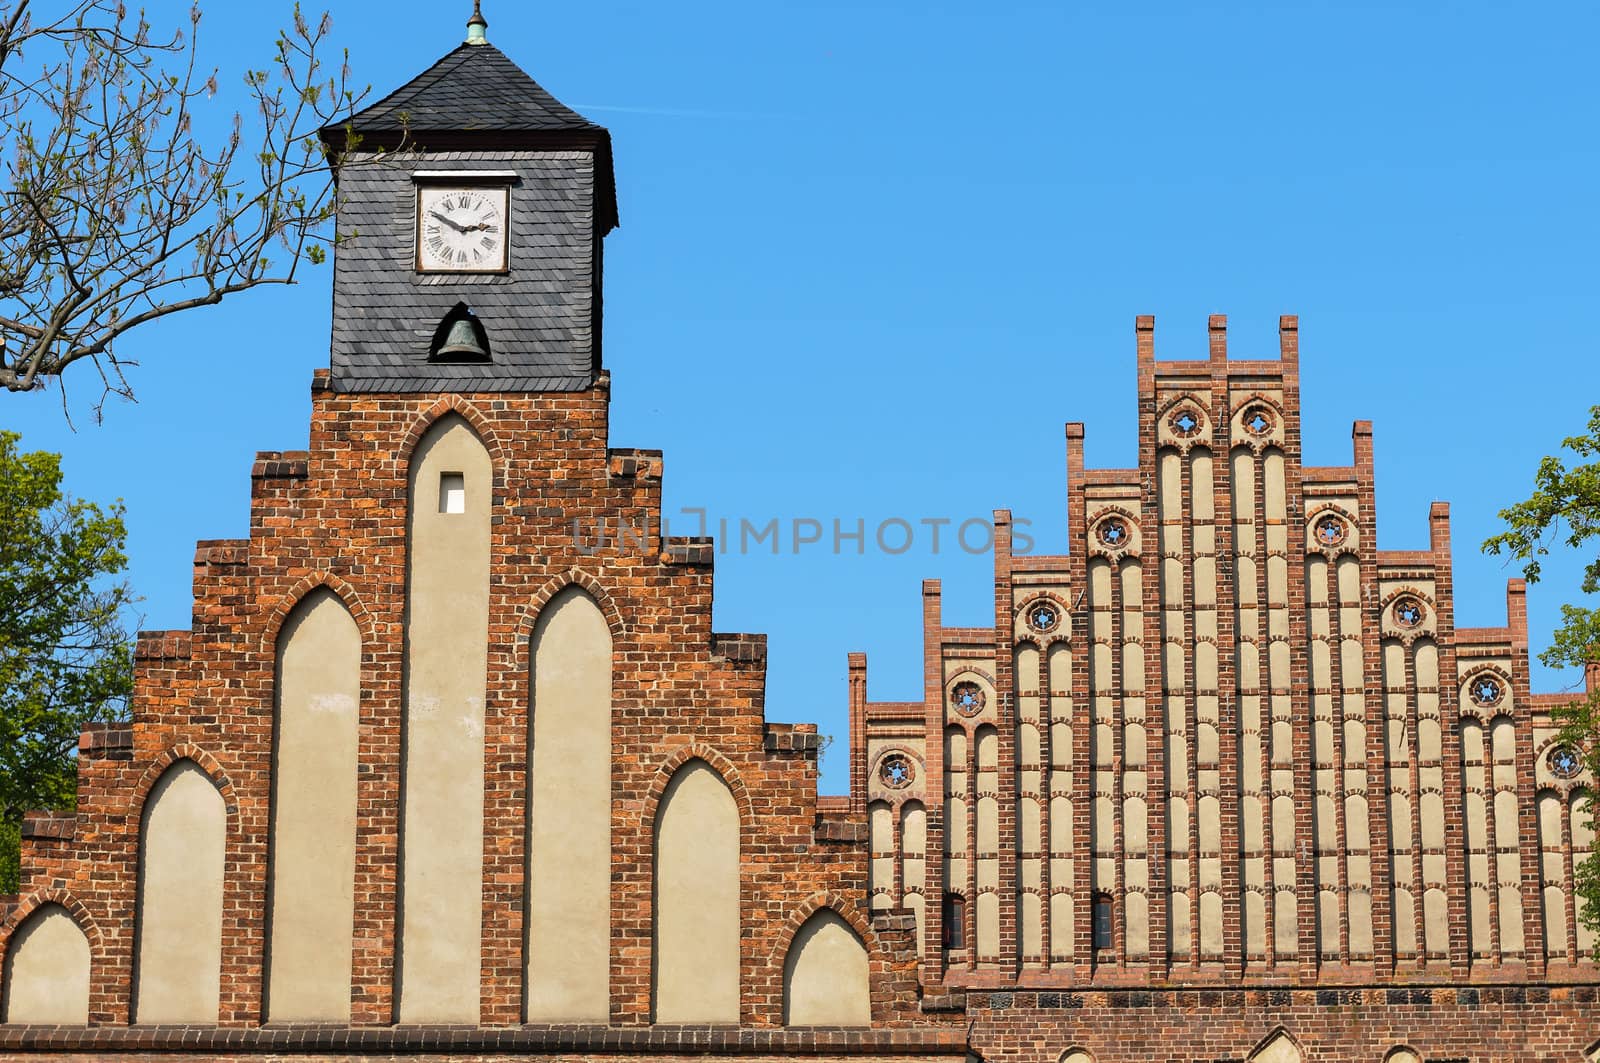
(452,492)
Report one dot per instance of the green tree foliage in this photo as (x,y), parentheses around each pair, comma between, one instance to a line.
(1564,511)
(66,658)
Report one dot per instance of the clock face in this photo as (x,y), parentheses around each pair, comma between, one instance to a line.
(461,230)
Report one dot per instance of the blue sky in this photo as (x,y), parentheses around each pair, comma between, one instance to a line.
(873,255)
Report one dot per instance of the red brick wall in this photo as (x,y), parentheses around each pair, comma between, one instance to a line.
(335,516)
(1524,1024)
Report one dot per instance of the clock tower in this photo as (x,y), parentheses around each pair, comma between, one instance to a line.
(473,208)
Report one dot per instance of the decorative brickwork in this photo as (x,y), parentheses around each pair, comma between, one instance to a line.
(1223,783)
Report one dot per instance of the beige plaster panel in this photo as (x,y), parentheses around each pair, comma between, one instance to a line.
(956,826)
(1405,913)
(1435,922)
(1255,916)
(1512,939)
(825,975)
(988,922)
(1286,919)
(1555,920)
(447,632)
(696,975)
(1061,916)
(913,862)
(988,839)
(314,814)
(569,834)
(1032,924)
(1025,662)
(1060,825)
(47,970)
(179,970)
(1136,935)
(1360,923)
(1278,1050)
(1178,917)
(1210,924)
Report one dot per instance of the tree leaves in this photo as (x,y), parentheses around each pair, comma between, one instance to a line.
(1564,511)
(113,214)
(65,655)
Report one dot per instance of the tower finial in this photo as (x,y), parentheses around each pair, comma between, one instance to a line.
(477,25)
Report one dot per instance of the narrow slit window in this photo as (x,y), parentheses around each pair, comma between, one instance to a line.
(1102,920)
(452,492)
(955,919)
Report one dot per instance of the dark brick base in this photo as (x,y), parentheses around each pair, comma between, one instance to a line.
(1522,1024)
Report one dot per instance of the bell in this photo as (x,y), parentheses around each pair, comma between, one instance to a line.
(461,344)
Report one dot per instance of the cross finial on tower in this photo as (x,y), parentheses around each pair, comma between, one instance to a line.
(477,25)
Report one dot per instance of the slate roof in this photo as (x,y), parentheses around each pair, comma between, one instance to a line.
(474,109)
(474,88)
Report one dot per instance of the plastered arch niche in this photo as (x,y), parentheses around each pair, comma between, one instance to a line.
(446,669)
(1279,1049)
(825,975)
(697,899)
(314,813)
(182,837)
(47,970)
(568,946)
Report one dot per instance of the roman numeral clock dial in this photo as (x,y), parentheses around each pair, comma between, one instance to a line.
(461,230)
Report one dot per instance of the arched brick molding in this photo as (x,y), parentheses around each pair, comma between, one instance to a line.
(1279,1046)
(185,829)
(825,994)
(57,983)
(32,902)
(206,762)
(528,613)
(677,759)
(289,600)
(469,413)
(842,906)
(697,832)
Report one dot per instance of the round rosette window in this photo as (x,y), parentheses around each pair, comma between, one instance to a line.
(1113,533)
(1485,690)
(1185,422)
(896,771)
(1330,531)
(967,698)
(1258,421)
(1044,617)
(1409,612)
(1564,762)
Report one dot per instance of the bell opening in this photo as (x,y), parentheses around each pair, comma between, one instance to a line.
(460,339)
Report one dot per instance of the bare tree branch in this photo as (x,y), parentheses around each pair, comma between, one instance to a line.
(113,214)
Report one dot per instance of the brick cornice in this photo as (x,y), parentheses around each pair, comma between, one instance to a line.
(595,1041)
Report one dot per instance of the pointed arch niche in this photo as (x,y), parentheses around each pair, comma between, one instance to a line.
(825,975)
(568,946)
(446,670)
(47,969)
(696,976)
(182,839)
(312,905)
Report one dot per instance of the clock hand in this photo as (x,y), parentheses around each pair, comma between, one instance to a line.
(454,225)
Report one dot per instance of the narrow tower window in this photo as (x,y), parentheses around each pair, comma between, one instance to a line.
(452,492)
(1102,920)
(955,921)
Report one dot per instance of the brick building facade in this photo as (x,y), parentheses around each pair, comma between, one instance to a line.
(430,776)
